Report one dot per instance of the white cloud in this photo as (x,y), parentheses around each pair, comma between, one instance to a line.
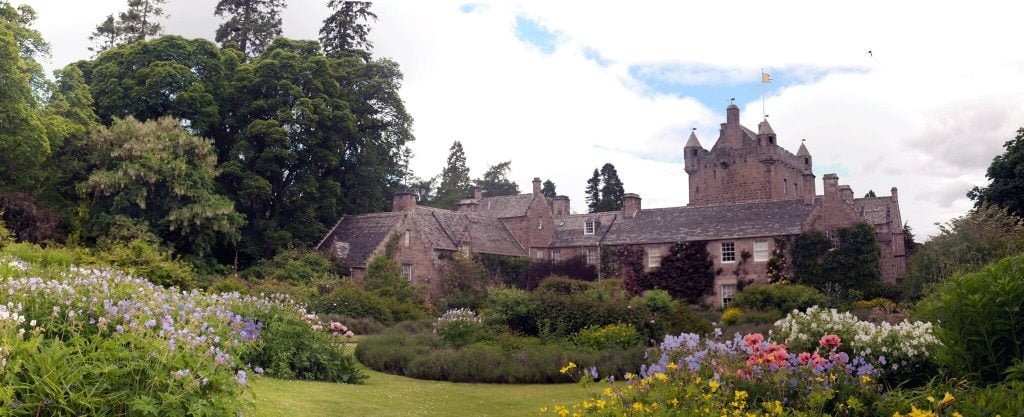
(925,112)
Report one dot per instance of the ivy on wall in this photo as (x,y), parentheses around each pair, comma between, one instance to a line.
(853,265)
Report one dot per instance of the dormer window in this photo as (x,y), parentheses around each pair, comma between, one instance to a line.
(588,227)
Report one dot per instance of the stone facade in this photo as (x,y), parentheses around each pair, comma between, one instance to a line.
(745,192)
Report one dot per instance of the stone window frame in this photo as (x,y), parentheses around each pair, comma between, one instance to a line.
(764,252)
(540,222)
(407,272)
(589,227)
(833,237)
(728,292)
(728,252)
(556,255)
(538,253)
(405,238)
(591,256)
(653,258)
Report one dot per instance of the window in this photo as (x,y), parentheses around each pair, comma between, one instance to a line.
(556,255)
(407,272)
(728,290)
(406,238)
(653,257)
(728,252)
(761,251)
(833,236)
(588,227)
(540,222)
(591,256)
(539,254)
(785,186)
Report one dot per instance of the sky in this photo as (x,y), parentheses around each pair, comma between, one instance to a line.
(562,87)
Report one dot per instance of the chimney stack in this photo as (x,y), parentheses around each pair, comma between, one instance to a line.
(831,187)
(478,193)
(403,201)
(732,115)
(560,205)
(536,186)
(467,206)
(894,196)
(630,205)
(846,193)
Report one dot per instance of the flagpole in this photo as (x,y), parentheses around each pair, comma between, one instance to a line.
(762,91)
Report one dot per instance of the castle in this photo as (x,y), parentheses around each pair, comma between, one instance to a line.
(744,193)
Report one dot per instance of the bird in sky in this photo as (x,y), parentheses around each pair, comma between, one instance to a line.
(870,54)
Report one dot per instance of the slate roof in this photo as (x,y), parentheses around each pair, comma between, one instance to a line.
(569,229)
(491,236)
(874,209)
(440,228)
(364,233)
(505,206)
(446,229)
(676,224)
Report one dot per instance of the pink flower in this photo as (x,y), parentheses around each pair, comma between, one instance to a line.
(753,339)
(818,360)
(338,326)
(349,333)
(335,334)
(830,341)
(803,358)
(317,327)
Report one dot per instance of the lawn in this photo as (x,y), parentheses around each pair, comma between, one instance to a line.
(389,395)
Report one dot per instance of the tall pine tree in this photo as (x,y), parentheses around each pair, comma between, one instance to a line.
(495,181)
(548,189)
(106,36)
(594,191)
(251,24)
(455,184)
(612,191)
(346,31)
(140,20)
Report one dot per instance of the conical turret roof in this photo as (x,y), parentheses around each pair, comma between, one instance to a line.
(764,128)
(802,151)
(692,142)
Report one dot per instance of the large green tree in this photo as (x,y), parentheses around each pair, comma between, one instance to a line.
(548,189)
(612,190)
(107,35)
(251,24)
(593,191)
(140,21)
(455,183)
(346,31)
(309,138)
(24,139)
(1006,174)
(495,181)
(155,174)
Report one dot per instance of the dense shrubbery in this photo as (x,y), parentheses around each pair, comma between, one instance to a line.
(781,298)
(296,267)
(980,319)
(417,352)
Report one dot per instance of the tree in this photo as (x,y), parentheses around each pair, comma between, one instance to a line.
(495,181)
(686,272)
(251,24)
(593,192)
(870,194)
(156,174)
(909,245)
(455,183)
(853,265)
(612,190)
(1006,176)
(548,189)
(139,21)
(345,32)
(106,36)
(24,140)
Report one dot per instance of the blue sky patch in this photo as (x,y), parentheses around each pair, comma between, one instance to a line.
(595,56)
(469,7)
(837,169)
(533,33)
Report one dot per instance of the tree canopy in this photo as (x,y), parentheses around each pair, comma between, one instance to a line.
(455,184)
(1006,174)
(251,24)
(346,31)
(605,190)
(495,181)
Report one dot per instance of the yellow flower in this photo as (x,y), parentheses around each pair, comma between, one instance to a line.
(629,375)
(670,366)
(543,409)
(865,380)
(674,402)
(713,385)
(566,368)
(930,399)
(638,406)
(741,395)
(914,412)
(661,377)
(947,400)
(957,414)
(600,404)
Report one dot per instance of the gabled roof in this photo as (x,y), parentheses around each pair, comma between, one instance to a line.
(678,224)
(364,233)
(491,236)
(569,229)
(876,210)
(447,230)
(505,206)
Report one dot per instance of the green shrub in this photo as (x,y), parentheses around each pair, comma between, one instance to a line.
(657,301)
(348,300)
(731,316)
(228,284)
(6,237)
(50,257)
(513,308)
(980,319)
(759,316)
(289,348)
(968,400)
(147,260)
(460,327)
(563,285)
(608,336)
(296,267)
(560,315)
(780,297)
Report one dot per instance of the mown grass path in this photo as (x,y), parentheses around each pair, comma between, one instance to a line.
(389,395)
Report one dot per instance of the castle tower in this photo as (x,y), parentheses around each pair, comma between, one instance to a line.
(807,161)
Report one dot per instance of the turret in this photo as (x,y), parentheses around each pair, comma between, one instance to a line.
(765,133)
(691,152)
(732,115)
(805,158)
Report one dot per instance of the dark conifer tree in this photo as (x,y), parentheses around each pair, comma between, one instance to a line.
(140,20)
(346,31)
(455,183)
(612,190)
(251,24)
(548,189)
(105,36)
(495,181)
(594,191)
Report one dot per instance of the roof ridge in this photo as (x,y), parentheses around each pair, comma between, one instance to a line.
(330,232)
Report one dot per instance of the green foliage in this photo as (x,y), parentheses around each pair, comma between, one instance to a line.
(782,298)
(963,245)
(503,359)
(251,24)
(686,272)
(148,260)
(593,191)
(628,264)
(495,181)
(297,267)
(228,285)
(514,309)
(51,257)
(779,267)
(290,349)
(384,276)
(511,269)
(465,276)
(348,300)
(598,338)
(5,235)
(548,189)
(970,400)
(605,190)
(159,174)
(140,21)
(346,32)
(24,140)
(731,316)
(455,183)
(1005,173)
(853,266)
(980,319)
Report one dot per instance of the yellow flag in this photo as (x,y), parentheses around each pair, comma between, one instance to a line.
(765,77)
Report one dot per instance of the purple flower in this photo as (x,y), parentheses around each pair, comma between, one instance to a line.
(241,377)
